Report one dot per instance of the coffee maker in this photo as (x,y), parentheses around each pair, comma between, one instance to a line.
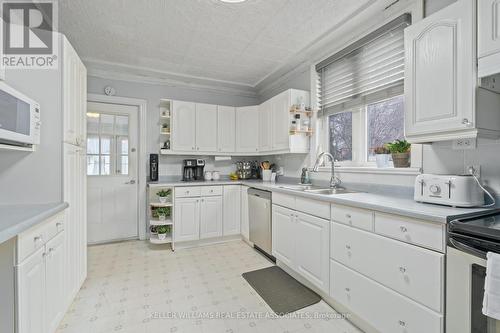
(193,170)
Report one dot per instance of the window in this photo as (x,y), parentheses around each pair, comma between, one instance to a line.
(360,94)
(107,144)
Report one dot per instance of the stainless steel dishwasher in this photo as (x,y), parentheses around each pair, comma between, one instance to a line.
(259,207)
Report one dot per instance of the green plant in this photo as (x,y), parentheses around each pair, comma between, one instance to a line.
(161,211)
(163,193)
(381,150)
(399,146)
(163,229)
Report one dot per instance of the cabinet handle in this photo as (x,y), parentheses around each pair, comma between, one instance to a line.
(348,290)
(38,238)
(402,323)
(348,216)
(403,228)
(348,247)
(466,122)
(402,269)
(51,250)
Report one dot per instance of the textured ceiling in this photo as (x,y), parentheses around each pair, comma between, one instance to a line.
(239,43)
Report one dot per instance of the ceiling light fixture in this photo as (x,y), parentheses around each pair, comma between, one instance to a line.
(232,1)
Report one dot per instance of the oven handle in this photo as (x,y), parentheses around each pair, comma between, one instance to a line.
(467,249)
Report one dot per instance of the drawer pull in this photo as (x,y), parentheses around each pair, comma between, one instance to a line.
(38,239)
(348,247)
(402,269)
(348,216)
(403,228)
(211,191)
(402,323)
(348,290)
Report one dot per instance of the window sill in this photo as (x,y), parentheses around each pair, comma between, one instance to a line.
(373,170)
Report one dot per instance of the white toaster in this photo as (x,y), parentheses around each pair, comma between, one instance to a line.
(449,190)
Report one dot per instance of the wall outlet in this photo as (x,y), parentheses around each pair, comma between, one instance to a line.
(473,170)
(464,144)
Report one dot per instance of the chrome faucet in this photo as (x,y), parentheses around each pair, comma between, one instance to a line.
(334,181)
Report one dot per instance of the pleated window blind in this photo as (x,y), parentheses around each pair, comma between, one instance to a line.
(369,70)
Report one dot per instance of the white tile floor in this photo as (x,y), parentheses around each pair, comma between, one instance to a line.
(134,287)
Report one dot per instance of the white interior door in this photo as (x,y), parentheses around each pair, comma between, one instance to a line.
(112,194)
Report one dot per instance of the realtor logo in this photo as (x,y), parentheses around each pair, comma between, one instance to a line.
(29,38)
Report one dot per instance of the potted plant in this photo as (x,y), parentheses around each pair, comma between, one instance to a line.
(162,195)
(161,213)
(162,231)
(382,156)
(400,150)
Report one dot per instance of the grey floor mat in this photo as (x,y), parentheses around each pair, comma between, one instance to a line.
(280,291)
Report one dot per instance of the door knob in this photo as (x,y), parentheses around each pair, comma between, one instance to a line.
(132,182)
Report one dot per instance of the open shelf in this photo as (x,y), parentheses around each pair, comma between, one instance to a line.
(157,222)
(308,132)
(155,240)
(159,204)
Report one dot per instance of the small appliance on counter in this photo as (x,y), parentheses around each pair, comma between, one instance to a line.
(153,167)
(450,190)
(193,170)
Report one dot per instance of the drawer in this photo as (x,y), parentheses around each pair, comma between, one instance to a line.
(313,207)
(394,264)
(187,191)
(35,238)
(384,309)
(423,233)
(359,218)
(207,191)
(284,200)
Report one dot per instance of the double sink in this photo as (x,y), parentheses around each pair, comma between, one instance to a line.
(317,189)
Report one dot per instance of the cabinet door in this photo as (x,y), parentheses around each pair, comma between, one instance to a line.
(211,217)
(280,113)
(284,235)
(226,120)
(488,27)
(183,126)
(232,208)
(245,226)
(312,244)
(265,126)
(31,294)
(440,72)
(56,291)
(74,95)
(247,129)
(206,127)
(187,219)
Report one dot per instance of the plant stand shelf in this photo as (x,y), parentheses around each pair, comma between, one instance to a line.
(154,222)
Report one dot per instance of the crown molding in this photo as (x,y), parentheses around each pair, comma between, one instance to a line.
(123,72)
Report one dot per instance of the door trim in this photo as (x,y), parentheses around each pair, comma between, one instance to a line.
(141,105)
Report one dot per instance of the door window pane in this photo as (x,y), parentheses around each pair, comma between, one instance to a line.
(105,145)
(105,165)
(92,165)
(340,126)
(93,145)
(107,124)
(121,125)
(124,165)
(385,123)
(93,122)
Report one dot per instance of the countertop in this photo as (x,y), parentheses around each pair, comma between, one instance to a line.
(386,199)
(14,219)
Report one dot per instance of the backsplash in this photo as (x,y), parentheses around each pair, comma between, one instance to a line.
(171,165)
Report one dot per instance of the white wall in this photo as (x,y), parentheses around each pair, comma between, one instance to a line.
(152,93)
(30,178)
(432,6)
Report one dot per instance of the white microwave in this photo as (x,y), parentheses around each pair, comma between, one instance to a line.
(19,118)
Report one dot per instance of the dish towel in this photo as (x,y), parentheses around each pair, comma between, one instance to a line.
(491,300)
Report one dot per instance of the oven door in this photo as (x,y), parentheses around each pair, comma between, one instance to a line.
(466,272)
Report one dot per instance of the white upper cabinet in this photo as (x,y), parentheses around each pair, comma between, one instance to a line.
(440,76)
(488,35)
(265,126)
(280,120)
(206,127)
(183,126)
(247,129)
(226,120)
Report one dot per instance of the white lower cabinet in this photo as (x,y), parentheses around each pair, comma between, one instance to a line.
(232,210)
(301,242)
(42,288)
(312,249)
(245,223)
(283,235)
(31,294)
(187,219)
(397,265)
(384,309)
(210,217)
